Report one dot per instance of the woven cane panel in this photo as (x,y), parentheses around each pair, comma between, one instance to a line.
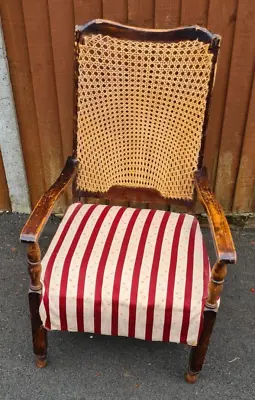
(141,109)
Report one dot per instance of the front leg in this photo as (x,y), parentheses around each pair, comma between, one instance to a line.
(198,353)
(39,333)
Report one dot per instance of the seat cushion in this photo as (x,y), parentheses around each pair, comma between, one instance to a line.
(125,271)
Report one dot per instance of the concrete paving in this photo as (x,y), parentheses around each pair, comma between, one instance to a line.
(82,367)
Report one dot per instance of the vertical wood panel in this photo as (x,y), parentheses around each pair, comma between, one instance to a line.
(221,20)
(167,14)
(238,97)
(18,59)
(61,15)
(194,12)
(141,13)
(244,200)
(86,10)
(5,203)
(39,41)
(44,85)
(115,11)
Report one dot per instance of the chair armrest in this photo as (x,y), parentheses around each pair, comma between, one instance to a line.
(39,216)
(223,242)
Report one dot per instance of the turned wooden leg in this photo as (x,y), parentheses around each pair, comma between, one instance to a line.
(39,334)
(198,353)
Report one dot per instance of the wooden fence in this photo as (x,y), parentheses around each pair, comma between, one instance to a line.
(39,40)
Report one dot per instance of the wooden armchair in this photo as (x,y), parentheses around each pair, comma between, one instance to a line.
(140,120)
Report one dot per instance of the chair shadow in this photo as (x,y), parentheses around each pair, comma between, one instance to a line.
(123,353)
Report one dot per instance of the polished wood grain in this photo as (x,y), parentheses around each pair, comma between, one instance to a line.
(131,194)
(226,254)
(218,274)
(110,28)
(35,223)
(198,353)
(222,237)
(39,334)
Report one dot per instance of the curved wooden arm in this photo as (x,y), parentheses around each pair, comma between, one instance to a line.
(222,237)
(37,220)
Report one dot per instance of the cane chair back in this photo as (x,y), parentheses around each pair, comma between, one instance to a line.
(141,107)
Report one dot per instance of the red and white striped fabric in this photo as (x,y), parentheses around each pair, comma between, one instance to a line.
(125,271)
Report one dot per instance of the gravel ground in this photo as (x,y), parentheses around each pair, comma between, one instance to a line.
(81,367)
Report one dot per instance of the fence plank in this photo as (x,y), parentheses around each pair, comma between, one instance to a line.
(5,203)
(61,16)
(194,13)
(167,14)
(86,10)
(44,84)
(43,99)
(239,90)
(141,13)
(244,200)
(221,20)
(18,58)
(115,11)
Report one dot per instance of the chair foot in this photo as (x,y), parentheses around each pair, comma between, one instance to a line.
(191,377)
(41,362)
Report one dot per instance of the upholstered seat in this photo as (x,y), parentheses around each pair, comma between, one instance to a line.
(126,271)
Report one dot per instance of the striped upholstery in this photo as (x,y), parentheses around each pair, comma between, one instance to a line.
(125,271)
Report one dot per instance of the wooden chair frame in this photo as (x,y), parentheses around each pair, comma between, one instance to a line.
(224,246)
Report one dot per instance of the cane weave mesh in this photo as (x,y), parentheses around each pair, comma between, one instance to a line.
(141,109)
